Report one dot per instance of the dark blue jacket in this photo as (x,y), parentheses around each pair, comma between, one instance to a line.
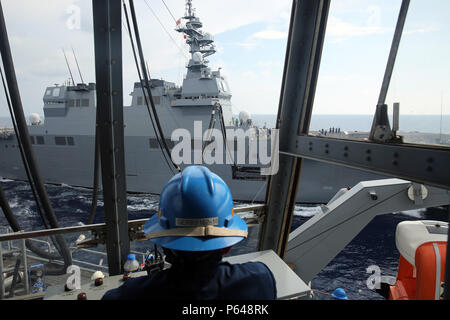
(218,281)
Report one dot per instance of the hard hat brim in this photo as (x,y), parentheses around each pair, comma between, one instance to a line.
(186,243)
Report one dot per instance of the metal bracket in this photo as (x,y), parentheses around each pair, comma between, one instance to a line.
(381,129)
(417,193)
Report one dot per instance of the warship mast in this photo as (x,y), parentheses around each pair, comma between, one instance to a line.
(201,43)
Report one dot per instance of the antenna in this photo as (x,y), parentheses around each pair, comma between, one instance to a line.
(189,8)
(68,67)
(78,66)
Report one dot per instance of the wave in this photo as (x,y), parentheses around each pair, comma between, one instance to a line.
(416,213)
(141,207)
(83,189)
(141,204)
(67,194)
(307,212)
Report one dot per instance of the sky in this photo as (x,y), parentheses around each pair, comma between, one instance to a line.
(251,38)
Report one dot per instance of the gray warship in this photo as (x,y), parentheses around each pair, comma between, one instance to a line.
(64,143)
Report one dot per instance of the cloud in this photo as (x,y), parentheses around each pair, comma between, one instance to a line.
(421,30)
(222,16)
(270,35)
(375,16)
(338,28)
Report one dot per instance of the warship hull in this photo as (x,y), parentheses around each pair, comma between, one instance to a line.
(147,171)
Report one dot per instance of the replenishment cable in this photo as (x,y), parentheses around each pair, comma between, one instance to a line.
(4,205)
(147,82)
(169,11)
(143,90)
(16,103)
(25,164)
(167,32)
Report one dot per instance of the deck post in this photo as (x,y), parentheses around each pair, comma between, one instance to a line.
(303,55)
(108,70)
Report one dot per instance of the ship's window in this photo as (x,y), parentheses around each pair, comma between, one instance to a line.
(85,103)
(247,173)
(48,92)
(60,141)
(56,92)
(32,139)
(40,140)
(170,143)
(139,101)
(70,103)
(70,141)
(154,143)
(78,102)
(157,100)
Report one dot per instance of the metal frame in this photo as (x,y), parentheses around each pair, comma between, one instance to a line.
(101,228)
(24,262)
(108,70)
(304,51)
(317,241)
(424,164)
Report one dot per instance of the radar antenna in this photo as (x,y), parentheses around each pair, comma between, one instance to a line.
(78,66)
(189,8)
(68,66)
(201,43)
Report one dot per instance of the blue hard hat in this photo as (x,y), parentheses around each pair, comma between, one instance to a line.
(131,257)
(340,294)
(195,199)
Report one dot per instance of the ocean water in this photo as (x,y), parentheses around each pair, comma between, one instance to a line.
(374,245)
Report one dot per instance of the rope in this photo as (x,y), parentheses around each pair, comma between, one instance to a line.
(169,11)
(147,81)
(143,91)
(173,40)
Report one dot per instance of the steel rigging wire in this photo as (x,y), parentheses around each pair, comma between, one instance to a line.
(162,25)
(169,11)
(16,103)
(143,90)
(4,203)
(22,155)
(9,215)
(146,83)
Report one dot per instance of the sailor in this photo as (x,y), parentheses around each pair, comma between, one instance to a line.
(196,227)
